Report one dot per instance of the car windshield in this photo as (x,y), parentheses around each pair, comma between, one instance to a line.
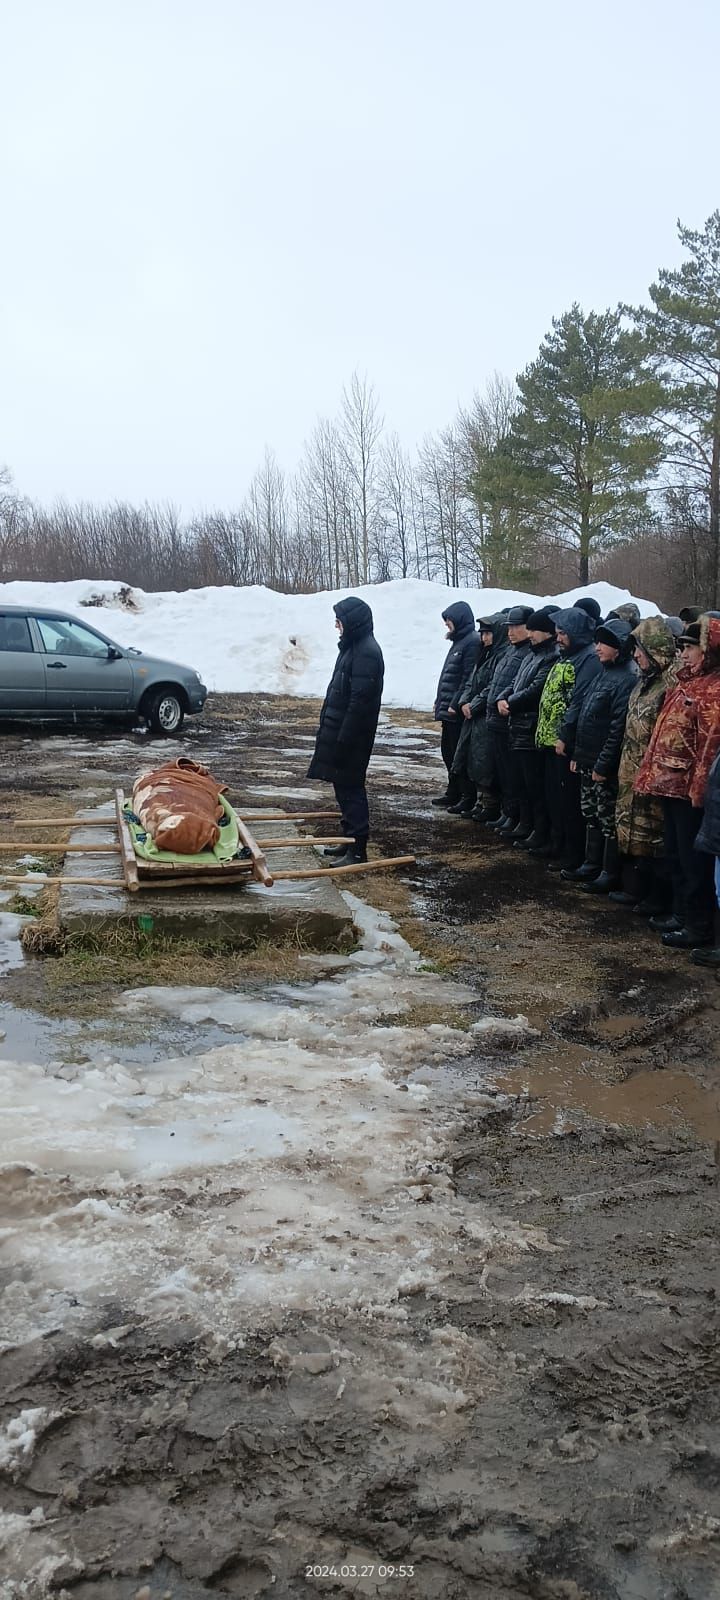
(62,637)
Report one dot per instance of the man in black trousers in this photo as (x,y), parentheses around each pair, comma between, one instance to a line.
(464,650)
(348,724)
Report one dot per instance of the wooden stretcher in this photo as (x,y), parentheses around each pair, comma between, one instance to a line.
(139,874)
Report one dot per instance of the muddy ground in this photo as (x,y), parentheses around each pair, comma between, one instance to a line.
(580,1458)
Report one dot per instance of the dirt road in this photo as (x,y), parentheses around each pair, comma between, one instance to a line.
(473,1350)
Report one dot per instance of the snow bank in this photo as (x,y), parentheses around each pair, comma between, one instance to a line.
(250,640)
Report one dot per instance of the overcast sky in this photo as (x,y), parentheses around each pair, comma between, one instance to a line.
(214,210)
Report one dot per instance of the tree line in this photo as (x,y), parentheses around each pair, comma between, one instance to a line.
(602,459)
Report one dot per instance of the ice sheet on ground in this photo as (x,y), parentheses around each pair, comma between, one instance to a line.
(304,1161)
(11,926)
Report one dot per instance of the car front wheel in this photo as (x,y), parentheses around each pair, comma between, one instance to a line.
(164,712)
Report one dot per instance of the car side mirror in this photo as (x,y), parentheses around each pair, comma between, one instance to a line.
(113,653)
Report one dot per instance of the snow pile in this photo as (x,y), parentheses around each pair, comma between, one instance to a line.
(19,1437)
(304,1162)
(254,640)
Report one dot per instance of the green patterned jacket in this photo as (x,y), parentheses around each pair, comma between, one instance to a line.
(554,702)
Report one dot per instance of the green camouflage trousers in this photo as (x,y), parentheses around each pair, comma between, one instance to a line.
(597,802)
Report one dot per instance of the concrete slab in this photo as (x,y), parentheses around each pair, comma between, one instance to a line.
(311,911)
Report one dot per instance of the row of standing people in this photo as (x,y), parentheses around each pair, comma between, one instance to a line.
(592,744)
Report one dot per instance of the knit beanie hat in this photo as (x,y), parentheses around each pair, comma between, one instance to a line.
(541,622)
(587,603)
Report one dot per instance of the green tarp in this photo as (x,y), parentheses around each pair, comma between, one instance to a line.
(227,847)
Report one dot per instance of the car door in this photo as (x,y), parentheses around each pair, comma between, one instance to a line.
(83,672)
(22,671)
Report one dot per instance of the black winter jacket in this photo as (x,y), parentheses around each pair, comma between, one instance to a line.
(580,629)
(601,723)
(506,671)
(474,691)
(464,650)
(349,717)
(524,700)
(472,758)
(708,838)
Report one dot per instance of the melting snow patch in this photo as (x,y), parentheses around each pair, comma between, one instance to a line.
(304,1162)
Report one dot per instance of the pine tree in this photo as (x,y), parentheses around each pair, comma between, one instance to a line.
(682,328)
(583,446)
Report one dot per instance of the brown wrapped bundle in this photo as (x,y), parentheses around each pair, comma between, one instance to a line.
(179,806)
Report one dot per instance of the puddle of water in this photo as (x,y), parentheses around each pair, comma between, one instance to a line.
(30,1036)
(661,1099)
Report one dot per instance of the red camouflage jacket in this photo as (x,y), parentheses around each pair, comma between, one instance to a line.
(686,736)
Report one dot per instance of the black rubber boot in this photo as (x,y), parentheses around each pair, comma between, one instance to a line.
(635,882)
(338,849)
(706,957)
(461,808)
(507,829)
(444,800)
(486,811)
(592,865)
(609,878)
(666,923)
(500,822)
(354,856)
(688,938)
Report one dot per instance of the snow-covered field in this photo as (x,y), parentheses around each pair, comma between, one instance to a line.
(250,640)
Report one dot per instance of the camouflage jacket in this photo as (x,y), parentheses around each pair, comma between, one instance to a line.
(686,736)
(638,817)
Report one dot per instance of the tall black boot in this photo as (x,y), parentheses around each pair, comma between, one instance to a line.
(609,878)
(594,844)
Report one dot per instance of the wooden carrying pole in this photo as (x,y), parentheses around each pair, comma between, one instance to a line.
(39,878)
(338,872)
(61,848)
(292,844)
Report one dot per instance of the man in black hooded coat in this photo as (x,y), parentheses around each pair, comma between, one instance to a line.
(348,723)
(464,650)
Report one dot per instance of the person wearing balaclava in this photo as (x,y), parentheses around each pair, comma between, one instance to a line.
(348,724)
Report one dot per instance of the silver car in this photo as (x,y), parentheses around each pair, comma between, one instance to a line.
(52,666)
